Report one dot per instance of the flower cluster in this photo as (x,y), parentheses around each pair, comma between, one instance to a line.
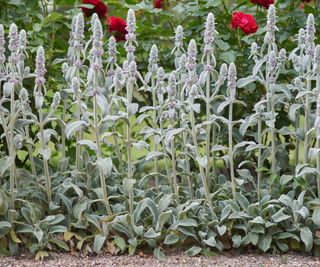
(98,7)
(158,3)
(117,26)
(263,3)
(244,22)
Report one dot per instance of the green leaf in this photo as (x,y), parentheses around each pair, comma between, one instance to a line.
(5,225)
(193,251)
(159,254)
(280,216)
(265,242)
(73,127)
(171,239)
(98,242)
(185,222)
(210,242)
(245,81)
(120,243)
(89,144)
(146,203)
(105,165)
(307,238)
(151,233)
(316,216)
(5,165)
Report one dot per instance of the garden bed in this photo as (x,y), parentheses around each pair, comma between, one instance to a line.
(174,258)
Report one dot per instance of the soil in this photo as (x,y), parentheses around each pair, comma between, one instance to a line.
(174,259)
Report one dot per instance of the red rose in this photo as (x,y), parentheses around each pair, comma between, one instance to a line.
(99,7)
(264,3)
(245,22)
(158,3)
(117,26)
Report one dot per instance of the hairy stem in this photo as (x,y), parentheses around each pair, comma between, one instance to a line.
(230,128)
(307,115)
(202,173)
(259,158)
(45,161)
(155,126)
(129,148)
(97,139)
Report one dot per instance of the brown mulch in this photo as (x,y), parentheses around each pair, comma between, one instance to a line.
(174,259)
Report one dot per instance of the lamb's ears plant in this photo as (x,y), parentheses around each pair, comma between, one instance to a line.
(172,113)
(210,62)
(152,75)
(2,54)
(160,90)
(178,49)
(316,73)
(94,83)
(9,91)
(193,94)
(309,50)
(232,85)
(131,42)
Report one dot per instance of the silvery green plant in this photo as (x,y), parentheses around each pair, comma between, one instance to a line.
(73,69)
(171,133)
(44,134)
(316,75)
(9,92)
(95,83)
(209,61)
(104,100)
(302,58)
(178,49)
(296,56)
(2,54)
(269,65)
(308,57)
(152,76)
(114,84)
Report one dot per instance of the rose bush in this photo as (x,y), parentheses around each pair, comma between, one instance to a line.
(244,22)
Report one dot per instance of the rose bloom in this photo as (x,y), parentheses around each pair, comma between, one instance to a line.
(244,22)
(117,26)
(158,3)
(264,3)
(99,7)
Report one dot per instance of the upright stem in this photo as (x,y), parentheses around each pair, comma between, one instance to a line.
(79,133)
(230,128)
(318,161)
(202,173)
(97,137)
(185,141)
(318,138)
(307,115)
(259,158)
(45,162)
(79,137)
(273,138)
(29,147)
(130,171)
(155,126)
(163,147)
(174,170)
(297,146)
(63,134)
(214,140)
(208,125)
(12,152)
